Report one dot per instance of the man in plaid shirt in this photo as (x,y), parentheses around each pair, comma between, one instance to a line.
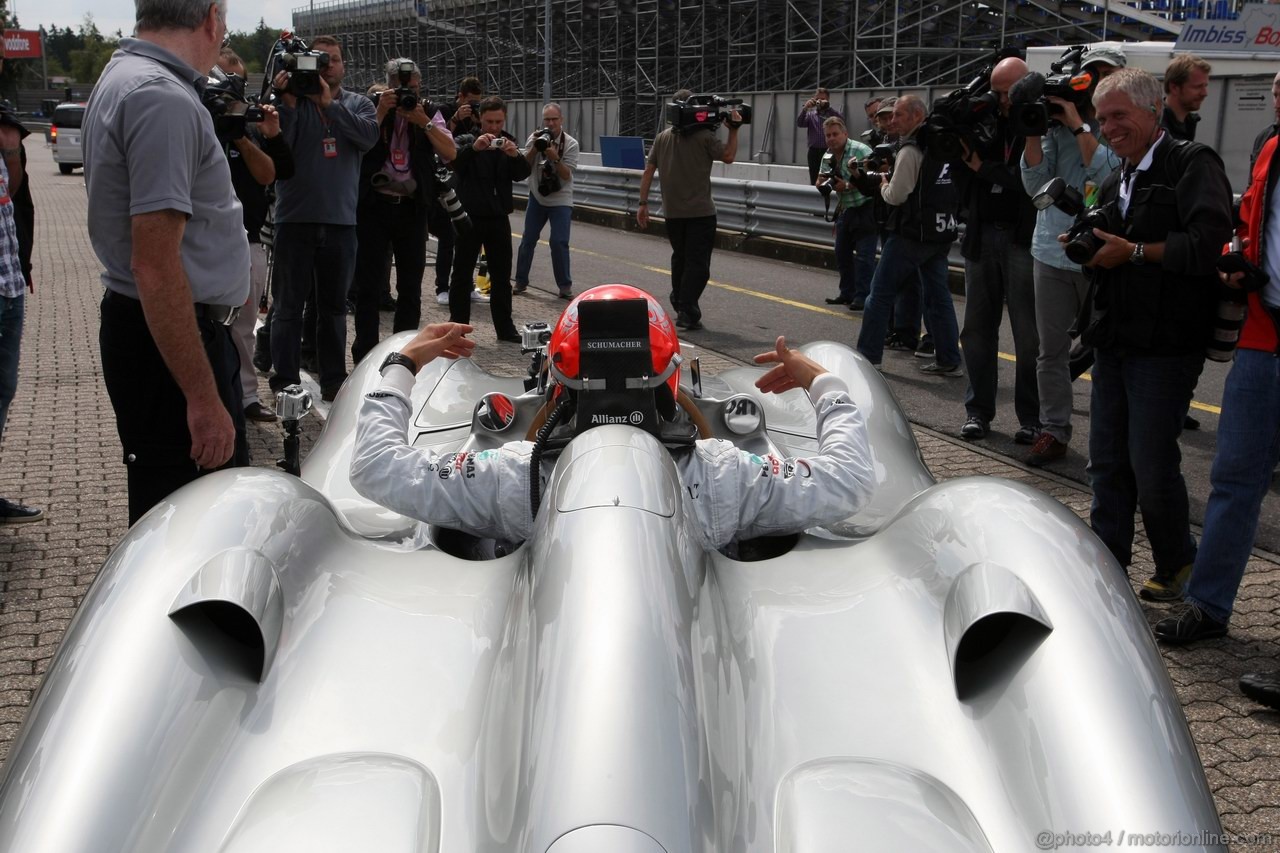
(12,287)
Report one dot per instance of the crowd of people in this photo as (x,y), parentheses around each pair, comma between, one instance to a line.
(354,181)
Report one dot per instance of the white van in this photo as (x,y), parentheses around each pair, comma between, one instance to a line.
(65,136)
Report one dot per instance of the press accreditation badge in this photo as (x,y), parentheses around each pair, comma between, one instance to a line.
(330,147)
(398,158)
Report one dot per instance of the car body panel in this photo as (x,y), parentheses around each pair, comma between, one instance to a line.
(268,662)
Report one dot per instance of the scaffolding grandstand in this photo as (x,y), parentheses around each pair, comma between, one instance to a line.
(640,51)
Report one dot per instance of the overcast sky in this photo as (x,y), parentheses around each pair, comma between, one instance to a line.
(111,15)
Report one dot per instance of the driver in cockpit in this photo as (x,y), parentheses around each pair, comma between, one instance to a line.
(598,364)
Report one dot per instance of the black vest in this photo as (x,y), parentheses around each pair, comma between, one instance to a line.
(1147,309)
(929,213)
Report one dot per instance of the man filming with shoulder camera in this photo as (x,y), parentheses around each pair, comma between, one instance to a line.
(550,198)
(397,191)
(684,157)
(1153,307)
(315,242)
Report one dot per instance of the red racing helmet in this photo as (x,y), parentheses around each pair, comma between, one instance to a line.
(563,351)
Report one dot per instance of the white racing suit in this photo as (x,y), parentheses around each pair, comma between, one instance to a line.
(730,494)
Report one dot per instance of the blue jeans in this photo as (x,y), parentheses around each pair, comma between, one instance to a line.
(535,217)
(1136,415)
(899,265)
(308,253)
(12,311)
(1248,448)
(856,241)
(1001,274)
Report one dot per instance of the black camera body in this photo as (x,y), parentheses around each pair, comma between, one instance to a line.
(1032,113)
(880,162)
(542,139)
(406,96)
(231,110)
(961,118)
(1082,244)
(703,112)
(548,180)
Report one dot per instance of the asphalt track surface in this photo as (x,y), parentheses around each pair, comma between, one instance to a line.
(751,300)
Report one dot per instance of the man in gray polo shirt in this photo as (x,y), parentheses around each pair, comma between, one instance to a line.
(169,232)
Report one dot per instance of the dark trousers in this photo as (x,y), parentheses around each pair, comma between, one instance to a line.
(1137,408)
(1002,275)
(151,410)
(439,224)
(815,162)
(692,240)
(402,227)
(306,255)
(494,234)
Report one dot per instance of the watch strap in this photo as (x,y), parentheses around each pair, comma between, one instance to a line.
(1083,128)
(400,359)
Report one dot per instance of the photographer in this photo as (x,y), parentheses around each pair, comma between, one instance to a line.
(552,156)
(813,116)
(315,217)
(1153,308)
(1071,150)
(998,270)
(257,160)
(922,225)
(684,159)
(485,170)
(397,190)
(464,115)
(856,233)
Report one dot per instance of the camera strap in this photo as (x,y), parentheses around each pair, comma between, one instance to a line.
(328,143)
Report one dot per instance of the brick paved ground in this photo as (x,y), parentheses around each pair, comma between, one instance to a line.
(60,452)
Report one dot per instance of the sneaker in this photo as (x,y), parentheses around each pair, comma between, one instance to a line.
(519,288)
(1262,687)
(1046,449)
(16,513)
(255,411)
(477,296)
(1026,435)
(937,369)
(1188,624)
(1164,588)
(973,429)
(925,349)
(442,297)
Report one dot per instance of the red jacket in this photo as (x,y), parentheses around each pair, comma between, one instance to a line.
(1259,329)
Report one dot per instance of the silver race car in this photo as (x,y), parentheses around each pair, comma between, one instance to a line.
(273,663)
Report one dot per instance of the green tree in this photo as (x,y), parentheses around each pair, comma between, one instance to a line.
(88,61)
(254,47)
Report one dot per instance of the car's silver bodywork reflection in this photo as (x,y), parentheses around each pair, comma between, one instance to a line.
(958,667)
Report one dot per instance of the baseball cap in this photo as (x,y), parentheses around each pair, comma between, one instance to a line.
(1112,54)
(886,106)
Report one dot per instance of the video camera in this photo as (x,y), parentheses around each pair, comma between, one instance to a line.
(1082,244)
(226,102)
(964,118)
(304,66)
(706,112)
(1032,112)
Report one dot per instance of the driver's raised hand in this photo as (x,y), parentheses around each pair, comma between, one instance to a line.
(793,369)
(436,340)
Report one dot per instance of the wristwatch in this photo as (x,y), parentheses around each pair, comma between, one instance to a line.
(1083,128)
(400,359)
(1138,258)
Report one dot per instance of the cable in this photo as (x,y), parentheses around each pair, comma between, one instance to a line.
(535,457)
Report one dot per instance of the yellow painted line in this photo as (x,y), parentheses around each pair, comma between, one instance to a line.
(804,306)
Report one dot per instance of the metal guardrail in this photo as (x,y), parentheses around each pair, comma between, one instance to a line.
(750,208)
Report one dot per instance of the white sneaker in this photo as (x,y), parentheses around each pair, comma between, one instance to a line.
(442,298)
(477,296)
